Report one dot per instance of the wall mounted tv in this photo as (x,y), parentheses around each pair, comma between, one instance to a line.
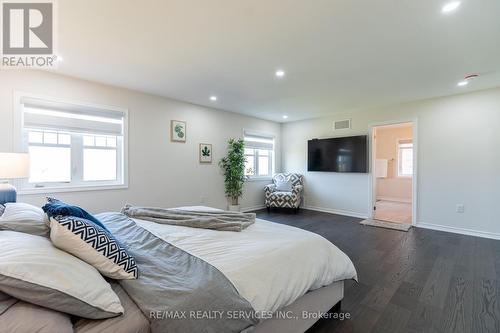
(347,154)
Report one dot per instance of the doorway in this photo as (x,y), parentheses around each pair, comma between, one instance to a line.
(394,170)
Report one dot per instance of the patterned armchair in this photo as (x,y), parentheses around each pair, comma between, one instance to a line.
(286,199)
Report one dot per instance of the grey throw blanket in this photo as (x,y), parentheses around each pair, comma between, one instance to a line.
(216,220)
(175,290)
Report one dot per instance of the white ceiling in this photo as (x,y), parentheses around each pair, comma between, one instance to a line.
(339,55)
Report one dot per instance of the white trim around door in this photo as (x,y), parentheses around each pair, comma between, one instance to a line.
(372,148)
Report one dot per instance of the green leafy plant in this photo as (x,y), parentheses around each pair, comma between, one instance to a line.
(233,167)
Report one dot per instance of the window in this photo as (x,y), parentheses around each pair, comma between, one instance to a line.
(99,158)
(405,158)
(50,157)
(72,146)
(259,153)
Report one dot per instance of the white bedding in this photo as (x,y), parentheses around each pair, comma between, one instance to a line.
(270,264)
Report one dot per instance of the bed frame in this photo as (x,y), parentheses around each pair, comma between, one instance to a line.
(325,299)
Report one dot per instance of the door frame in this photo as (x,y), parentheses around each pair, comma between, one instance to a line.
(373,179)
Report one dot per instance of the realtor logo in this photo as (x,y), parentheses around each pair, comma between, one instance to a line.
(28,34)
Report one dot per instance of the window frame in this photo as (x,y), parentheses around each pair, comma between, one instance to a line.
(272,156)
(21,144)
(399,149)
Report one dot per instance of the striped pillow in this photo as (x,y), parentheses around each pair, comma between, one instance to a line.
(92,244)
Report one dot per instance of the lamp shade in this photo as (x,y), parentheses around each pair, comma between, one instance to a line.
(14,165)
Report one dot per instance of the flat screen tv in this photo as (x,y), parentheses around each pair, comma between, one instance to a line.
(347,154)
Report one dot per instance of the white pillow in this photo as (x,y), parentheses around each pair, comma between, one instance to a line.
(284,185)
(87,241)
(35,271)
(23,217)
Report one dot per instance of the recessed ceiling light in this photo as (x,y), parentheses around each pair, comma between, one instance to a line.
(463,83)
(280,73)
(213,98)
(450,6)
(285,116)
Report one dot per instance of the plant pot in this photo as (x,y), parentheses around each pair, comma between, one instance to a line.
(234,208)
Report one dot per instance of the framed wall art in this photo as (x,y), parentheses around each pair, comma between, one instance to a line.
(205,153)
(177,131)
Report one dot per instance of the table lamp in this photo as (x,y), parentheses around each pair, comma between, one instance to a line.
(12,166)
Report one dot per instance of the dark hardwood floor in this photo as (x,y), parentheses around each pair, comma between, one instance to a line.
(416,281)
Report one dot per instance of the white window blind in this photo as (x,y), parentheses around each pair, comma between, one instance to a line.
(259,142)
(41,114)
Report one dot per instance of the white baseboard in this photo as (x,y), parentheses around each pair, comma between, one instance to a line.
(462,231)
(337,211)
(251,208)
(394,199)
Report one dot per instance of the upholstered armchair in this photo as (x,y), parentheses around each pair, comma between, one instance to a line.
(285,191)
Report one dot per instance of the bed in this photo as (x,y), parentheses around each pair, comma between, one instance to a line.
(285,275)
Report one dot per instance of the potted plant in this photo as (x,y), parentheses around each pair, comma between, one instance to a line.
(233,167)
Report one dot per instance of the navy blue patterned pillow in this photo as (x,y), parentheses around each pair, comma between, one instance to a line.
(91,243)
(55,207)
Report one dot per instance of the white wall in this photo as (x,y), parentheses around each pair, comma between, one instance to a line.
(458,161)
(161,173)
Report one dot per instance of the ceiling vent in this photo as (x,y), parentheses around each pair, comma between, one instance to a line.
(342,124)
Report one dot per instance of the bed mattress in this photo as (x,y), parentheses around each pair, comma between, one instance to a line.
(270,264)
